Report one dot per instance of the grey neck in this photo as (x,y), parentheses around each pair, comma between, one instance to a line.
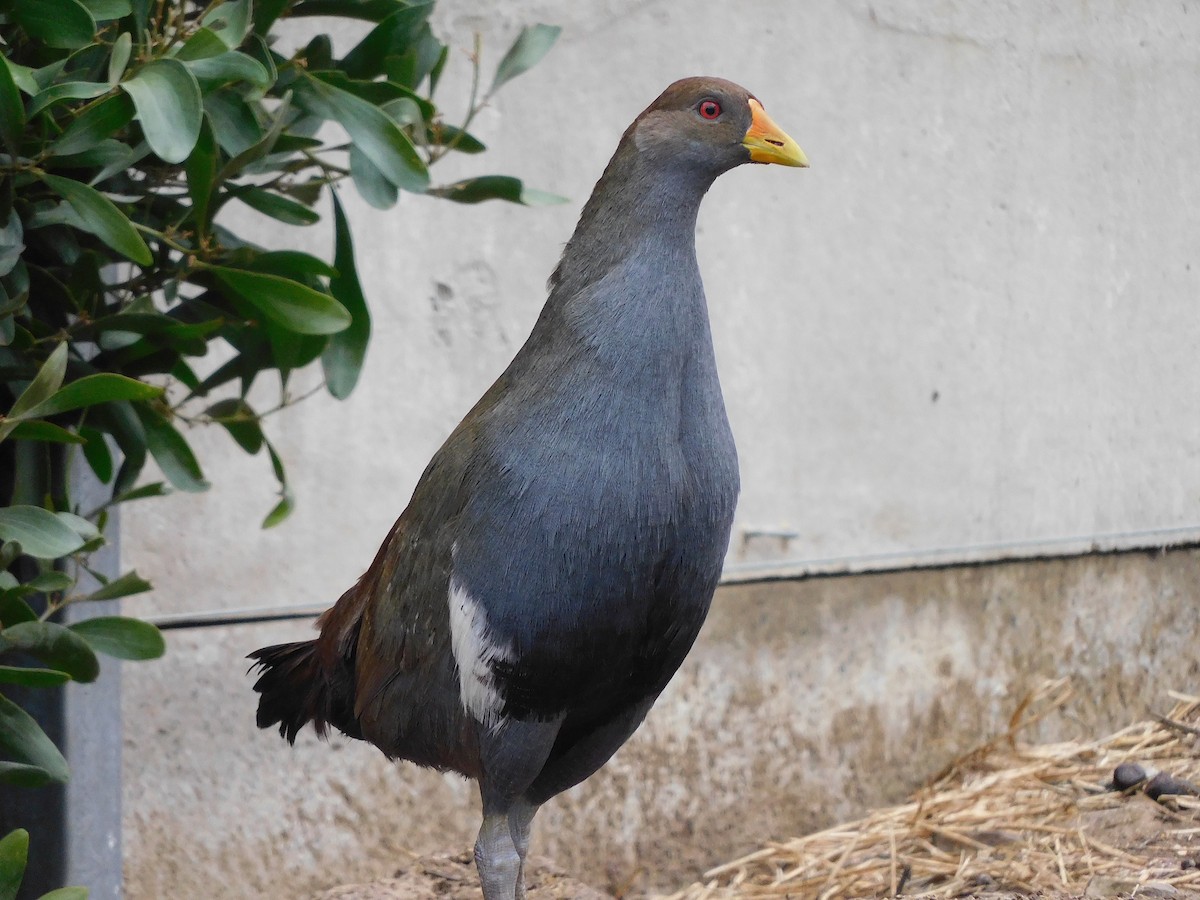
(640,204)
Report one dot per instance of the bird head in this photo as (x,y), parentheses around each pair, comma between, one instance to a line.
(712,124)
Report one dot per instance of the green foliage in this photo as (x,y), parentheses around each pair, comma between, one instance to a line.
(127,129)
(14,853)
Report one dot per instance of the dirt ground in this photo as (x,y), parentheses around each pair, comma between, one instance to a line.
(1140,827)
(453,877)
(1116,817)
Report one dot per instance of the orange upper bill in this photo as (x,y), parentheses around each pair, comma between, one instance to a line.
(768,143)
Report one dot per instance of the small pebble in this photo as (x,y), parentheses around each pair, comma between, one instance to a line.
(1126,775)
(1162,784)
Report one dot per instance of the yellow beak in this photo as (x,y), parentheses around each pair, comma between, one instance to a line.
(768,143)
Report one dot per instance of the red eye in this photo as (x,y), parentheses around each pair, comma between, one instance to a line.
(710,109)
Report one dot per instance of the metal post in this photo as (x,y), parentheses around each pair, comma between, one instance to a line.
(75,829)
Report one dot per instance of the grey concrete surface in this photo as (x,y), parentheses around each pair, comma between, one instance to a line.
(971,321)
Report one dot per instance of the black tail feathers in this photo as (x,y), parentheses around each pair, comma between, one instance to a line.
(295,690)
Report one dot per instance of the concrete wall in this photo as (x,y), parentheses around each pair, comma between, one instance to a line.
(971,322)
(803,704)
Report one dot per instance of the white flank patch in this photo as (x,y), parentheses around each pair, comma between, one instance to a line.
(474,652)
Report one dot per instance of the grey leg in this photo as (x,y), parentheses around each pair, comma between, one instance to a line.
(513,755)
(520,818)
(497,859)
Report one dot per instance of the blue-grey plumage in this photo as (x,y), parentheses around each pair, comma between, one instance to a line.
(560,552)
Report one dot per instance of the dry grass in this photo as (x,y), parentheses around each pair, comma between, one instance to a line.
(1007,817)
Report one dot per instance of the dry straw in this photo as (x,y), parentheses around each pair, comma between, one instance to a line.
(1007,817)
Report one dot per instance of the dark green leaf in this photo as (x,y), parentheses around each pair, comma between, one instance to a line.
(12,109)
(293,305)
(368,10)
(14,609)
(183,373)
(201,169)
(122,47)
(404,111)
(233,121)
(47,74)
(203,44)
(31,677)
(343,357)
(122,422)
(99,156)
(265,14)
(370,129)
(391,37)
(258,49)
(48,380)
(527,50)
(284,507)
(66,893)
(495,187)
(370,183)
(23,741)
(281,510)
(14,851)
(48,582)
(277,207)
(40,532)
(168,103)
(125,586)
(240,421)
(260,145)
(169,328)
(69,90)
(104,10)
(291,351)
(23,774)
(377,93)
(44,432)
(277,466)
(253,357)
(230,21)
(101,217)
(154,489)
(56,646)
(58,23)
(435,74)
(82,527)
(24,77)
(228,67)
(171,451)
(94,125)
(450,136)
(97,454)
(416,62)
(12,245)
(141,13)
(122,637)
(293,264)
(104,387)
(131,157)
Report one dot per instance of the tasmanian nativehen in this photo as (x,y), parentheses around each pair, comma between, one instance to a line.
(560,551)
